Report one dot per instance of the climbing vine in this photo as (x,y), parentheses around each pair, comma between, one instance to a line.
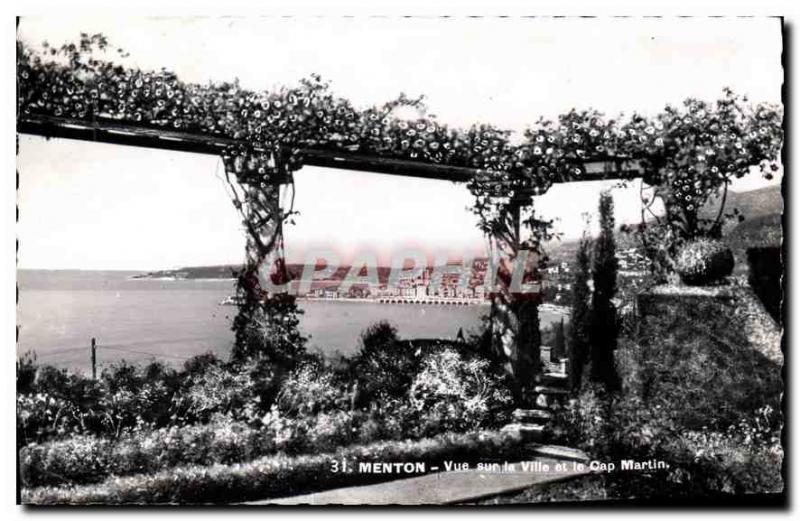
(693,153)
(688,153)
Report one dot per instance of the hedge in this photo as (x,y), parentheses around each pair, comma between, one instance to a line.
(278,475)
(91,459)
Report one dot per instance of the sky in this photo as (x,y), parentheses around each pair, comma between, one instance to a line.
(95,206)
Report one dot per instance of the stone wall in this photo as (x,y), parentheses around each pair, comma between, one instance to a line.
(716,349)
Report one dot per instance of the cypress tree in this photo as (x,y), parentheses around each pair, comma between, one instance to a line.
(578,346)
(604,322)
(559,348)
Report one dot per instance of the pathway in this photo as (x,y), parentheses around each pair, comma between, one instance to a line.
(444,488)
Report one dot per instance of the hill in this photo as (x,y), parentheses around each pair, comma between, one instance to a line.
(752,204)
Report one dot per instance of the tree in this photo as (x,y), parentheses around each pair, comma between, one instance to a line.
(579,326)
(604,323)
(559,348)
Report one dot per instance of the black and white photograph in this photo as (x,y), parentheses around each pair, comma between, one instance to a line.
(400,260)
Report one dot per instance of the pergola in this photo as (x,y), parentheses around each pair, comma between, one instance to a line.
(113,132)
(686,153)
(514,321)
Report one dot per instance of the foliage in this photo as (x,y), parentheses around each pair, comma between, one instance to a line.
(704,261)
(136,395)
(126,397)
(688,153)
(377,337)
(695,396)
(384,366)
(705,147)
(230,390)
(604,321)
(744,458)
(457,393)
(277,475)
(312,433)
(692,360)
(26,372)
(580,318)
(268,328)
(559,343)
(43,416)
(144,419)
(90,459)
(700,148)
(312,389)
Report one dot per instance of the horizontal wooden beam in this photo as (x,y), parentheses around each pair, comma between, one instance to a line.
(118,133)
(381,165)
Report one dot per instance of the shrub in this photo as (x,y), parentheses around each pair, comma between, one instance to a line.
(217,390)
(278,475)
(128,397)
(267,328)
(705,403)
(311,389)
(745,458)
(383,366)
(80,459)
(127,406)
(457,393)
(199,363)
(704,261)
(313,433)
(26,373)
(377,336)
(42,416)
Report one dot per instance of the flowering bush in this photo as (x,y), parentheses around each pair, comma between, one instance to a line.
(311,389)
(220,389)
(457,393)
(704,261)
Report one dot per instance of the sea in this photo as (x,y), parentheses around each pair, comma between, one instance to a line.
(59,312)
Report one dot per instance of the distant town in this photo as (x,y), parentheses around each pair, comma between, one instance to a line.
(450,289)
